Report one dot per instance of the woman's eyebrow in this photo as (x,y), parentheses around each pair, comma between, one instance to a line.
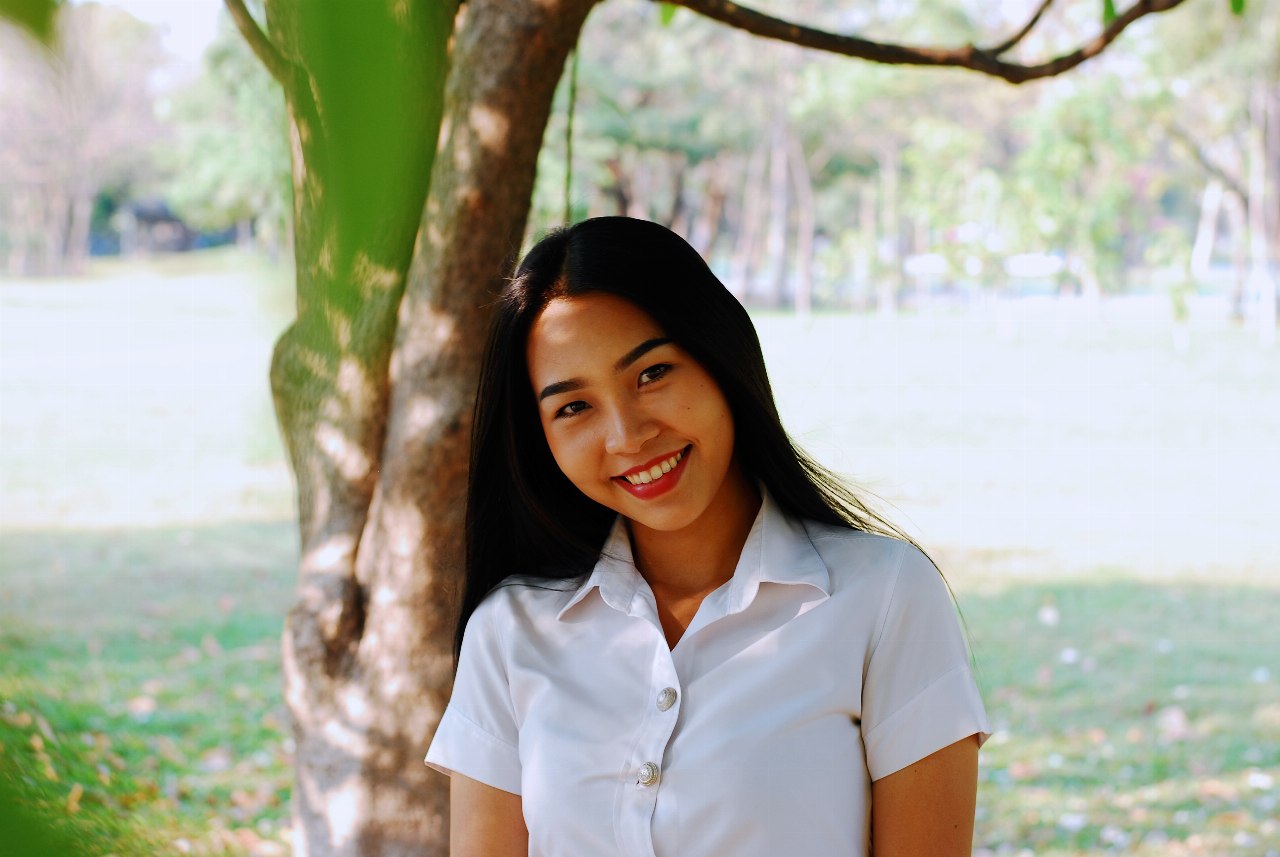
(621,363)
(561,387)
(639,351)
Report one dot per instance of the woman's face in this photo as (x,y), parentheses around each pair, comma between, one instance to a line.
(632,420)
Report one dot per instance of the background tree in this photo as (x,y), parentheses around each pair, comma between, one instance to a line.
(228,164)
(83,102)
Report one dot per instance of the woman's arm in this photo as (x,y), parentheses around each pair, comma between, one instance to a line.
(926,809)
(484,821)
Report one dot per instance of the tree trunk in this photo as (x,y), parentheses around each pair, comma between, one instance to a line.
(776,243)
(890,239)
(805,225)
(620,190)
(741,266)
(706,225)
(1206,231)
(77,248)
(868,239)
(1261,281)
(1238,223)
(374,380)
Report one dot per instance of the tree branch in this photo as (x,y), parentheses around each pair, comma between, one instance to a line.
(294,79)
(1206,161)
(982,60)
(263,48)
(1008,44)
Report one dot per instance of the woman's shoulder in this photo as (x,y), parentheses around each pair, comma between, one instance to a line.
(855,557)
(527,596)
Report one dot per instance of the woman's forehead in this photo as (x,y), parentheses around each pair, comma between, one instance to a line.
(590,327)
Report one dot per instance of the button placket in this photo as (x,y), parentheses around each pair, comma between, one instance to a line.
(658,724)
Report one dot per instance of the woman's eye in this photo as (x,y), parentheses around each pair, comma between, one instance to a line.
(571,409)
(653,373)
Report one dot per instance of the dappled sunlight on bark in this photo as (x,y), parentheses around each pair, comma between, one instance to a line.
(348,458)
(490,126)
(372,278)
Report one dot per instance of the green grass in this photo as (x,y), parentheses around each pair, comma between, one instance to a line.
(1103,503)
(143,667)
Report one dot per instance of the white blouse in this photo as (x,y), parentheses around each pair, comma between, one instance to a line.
(830,659)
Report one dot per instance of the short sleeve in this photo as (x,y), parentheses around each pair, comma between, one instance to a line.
(919,694)
(478,736)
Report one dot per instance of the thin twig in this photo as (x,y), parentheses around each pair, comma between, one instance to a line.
(262,47)
(1008,45)
(1206,161)
(969,56)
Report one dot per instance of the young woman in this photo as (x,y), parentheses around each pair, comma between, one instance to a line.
(683,638)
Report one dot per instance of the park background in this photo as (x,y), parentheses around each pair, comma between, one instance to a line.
(1032,320)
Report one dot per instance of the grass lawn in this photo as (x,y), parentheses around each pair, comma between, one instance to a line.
(1104,504)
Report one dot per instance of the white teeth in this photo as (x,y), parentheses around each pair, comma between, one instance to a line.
(644,477)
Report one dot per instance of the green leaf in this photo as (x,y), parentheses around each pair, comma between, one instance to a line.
(1109,12)
(1237,7)
(35,15)
(667,13)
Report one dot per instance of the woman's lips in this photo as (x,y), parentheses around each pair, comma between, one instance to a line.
(670,468)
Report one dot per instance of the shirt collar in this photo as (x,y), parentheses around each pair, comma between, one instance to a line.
(777,550)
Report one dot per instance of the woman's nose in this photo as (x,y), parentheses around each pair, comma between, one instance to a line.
(629,430)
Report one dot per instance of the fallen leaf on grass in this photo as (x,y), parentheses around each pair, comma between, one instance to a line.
(141,706)
(21,719)
(185,658)
(1173,724)
(169,750)
(1216,790)
(73,799)
(216,760)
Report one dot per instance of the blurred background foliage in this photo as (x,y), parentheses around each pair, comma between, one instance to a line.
(804,178)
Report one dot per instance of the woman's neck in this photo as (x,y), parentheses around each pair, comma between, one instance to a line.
(692,562)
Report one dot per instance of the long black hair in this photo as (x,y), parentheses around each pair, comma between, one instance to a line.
(523,515)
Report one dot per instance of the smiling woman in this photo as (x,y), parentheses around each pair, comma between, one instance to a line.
(679,635)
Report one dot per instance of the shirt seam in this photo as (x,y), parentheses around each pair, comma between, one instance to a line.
(924,690)
(505,743)
(506,680)
(888,601)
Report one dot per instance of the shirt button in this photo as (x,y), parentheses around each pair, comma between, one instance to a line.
(666,698)
(648,774)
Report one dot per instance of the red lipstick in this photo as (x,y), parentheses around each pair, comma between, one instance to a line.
(659,486)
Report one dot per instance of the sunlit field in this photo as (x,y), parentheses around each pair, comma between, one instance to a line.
(1101,489)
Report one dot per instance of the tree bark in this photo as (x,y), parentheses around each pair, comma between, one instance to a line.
(374,381)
